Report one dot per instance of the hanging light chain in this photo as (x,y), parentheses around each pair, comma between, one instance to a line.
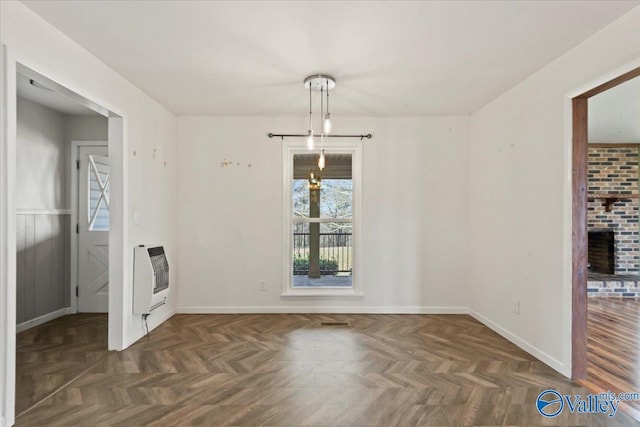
(322,107)
(310,110)
(310,143)
(321,159)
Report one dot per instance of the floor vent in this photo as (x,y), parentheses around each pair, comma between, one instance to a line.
(334,323)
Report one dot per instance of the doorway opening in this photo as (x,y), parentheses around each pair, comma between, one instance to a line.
(62,236)
(605,241)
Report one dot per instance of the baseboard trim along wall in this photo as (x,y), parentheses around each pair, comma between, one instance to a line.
(43,319)
(321,310)
(523,344)
(153,322)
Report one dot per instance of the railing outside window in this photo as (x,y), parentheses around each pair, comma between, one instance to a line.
(335,253)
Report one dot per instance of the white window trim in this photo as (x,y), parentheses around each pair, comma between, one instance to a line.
(289,149)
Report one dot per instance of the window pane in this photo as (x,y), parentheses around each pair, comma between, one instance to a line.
(322,253)
(335,198)
(98,193)
(301,198)
(335,186)
(331,264)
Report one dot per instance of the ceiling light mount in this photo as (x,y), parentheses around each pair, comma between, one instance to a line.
(319,82)
(322,83)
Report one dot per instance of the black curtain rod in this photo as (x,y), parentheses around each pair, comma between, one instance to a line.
(296,135)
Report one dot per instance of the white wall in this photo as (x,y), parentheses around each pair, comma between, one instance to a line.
(41,163)
(414,215)
(145,184)
(42,239)
(7,248)
(520,194)
(614,115)
(44,150)
(87,128)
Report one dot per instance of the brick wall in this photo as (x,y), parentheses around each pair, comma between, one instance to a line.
(615,170)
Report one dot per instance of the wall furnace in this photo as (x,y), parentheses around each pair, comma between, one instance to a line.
(150,278)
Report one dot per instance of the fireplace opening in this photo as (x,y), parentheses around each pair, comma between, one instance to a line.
(601,249)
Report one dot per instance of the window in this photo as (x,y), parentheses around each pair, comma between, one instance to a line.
(98,193)
(320,221)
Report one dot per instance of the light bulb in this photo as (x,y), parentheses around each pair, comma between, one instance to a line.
(321,160)
(310,143)
(327,124)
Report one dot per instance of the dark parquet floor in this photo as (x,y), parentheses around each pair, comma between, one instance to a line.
(288,370)
(51,355)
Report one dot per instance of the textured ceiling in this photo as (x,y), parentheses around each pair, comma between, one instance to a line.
(391,58)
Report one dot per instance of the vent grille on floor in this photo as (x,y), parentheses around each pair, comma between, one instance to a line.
(334,323)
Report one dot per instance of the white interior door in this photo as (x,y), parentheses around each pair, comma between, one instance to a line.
(93,229)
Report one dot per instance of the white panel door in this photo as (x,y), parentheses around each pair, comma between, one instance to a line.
(93,230)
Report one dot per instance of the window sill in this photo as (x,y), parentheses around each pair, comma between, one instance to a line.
(321,294)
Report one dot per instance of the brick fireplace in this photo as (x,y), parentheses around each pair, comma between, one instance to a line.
(601,249)
(614,171)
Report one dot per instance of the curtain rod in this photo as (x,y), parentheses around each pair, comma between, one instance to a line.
(282,136)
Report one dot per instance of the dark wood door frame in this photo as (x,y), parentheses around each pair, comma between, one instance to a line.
(579,219)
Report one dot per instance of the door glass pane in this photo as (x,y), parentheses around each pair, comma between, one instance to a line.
(322,252)
(98,193)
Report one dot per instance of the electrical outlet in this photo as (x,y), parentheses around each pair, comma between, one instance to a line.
(263,286)
(516,306)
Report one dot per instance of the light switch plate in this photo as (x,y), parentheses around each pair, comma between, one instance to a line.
(137,217)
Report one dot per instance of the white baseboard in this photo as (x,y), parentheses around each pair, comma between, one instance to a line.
(321,309)
(523,344)
(153,322)
(43,319)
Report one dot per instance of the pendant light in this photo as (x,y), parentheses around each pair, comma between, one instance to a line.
(318,83)
(314,181)
(327,118)
(321,160)
(310,143)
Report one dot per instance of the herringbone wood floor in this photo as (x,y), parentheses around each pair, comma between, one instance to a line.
(287,370)
(51,355)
